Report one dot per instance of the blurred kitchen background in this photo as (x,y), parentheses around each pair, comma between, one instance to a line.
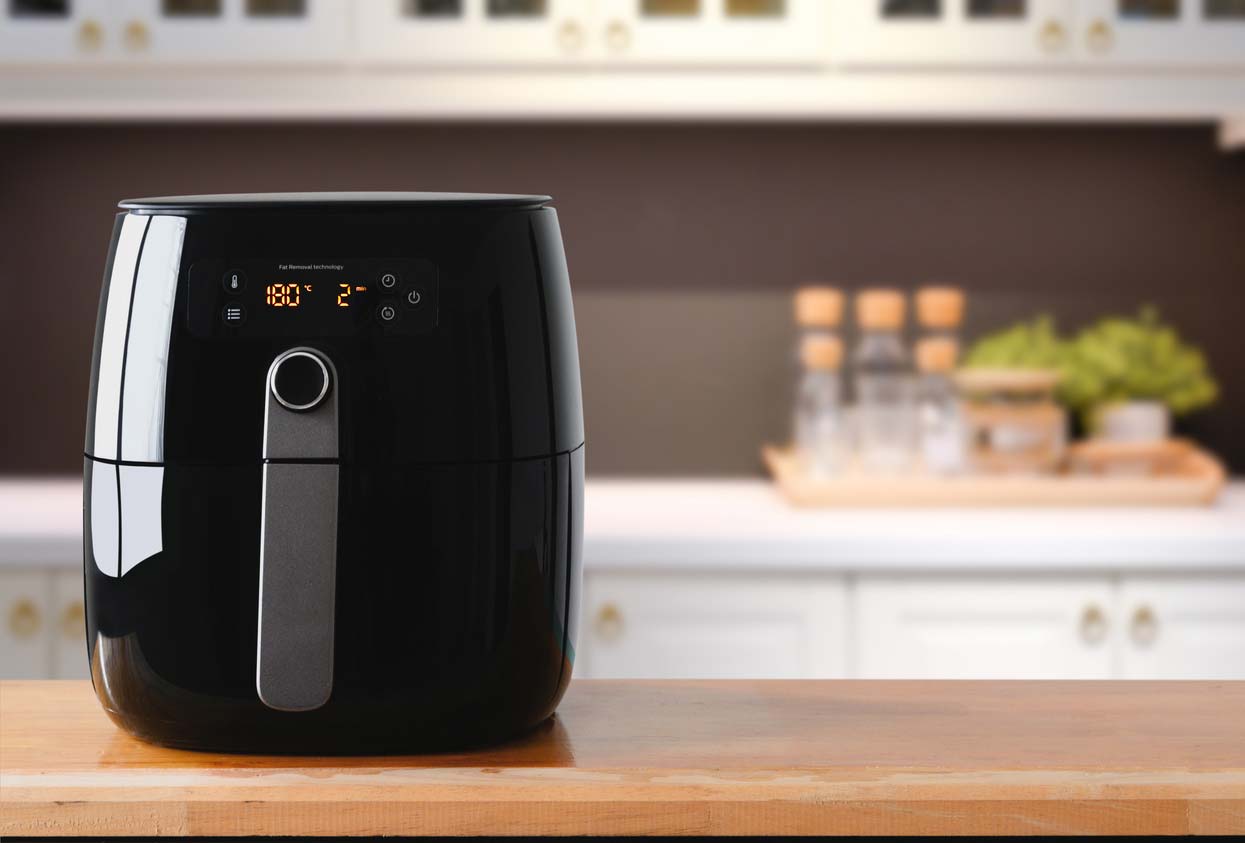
(1079,160)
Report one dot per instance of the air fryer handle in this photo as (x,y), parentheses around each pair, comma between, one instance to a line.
(298,548)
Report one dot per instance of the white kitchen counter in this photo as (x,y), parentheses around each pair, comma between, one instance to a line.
(686,524)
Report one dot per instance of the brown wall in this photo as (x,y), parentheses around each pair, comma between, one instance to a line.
(684,241)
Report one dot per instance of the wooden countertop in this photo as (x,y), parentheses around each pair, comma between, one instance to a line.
(691,758)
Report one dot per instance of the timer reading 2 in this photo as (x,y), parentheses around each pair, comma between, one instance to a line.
(291,295)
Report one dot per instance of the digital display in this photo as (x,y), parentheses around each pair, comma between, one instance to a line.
(313,298)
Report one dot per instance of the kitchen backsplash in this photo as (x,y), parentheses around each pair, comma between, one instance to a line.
(684,242)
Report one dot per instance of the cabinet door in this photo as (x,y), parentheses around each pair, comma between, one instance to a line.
(721,626)
(952,32)
(240,32)
(475,32)
(68,627)
(983,628)
(1158,32)
(25,598)
(1183,628)
(714,32)
(57,31)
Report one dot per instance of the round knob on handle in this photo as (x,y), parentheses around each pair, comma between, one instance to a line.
(1145,626)
(300,381)
(617,36)
(1093,625)
(571,36)
(90,35)
(136,34)
(73,619)
(609,623)
(24,620)
(1053,36)
(1099,36)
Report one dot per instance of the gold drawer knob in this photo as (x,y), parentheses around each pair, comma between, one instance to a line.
(1145,626)
(136,35)
(1093,625)
(24,619)
(609,623)
(90,35)
(1099,37)
(73,620)
(571,36)
(617,36)
(1053,36)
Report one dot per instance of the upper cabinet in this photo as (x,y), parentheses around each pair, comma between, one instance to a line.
(1157,32)
(953,32)
(507,32)
(1092,33)
(235,32)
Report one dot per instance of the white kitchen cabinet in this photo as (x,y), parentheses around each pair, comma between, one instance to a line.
(952,32)
(68,626)
(476,32)
(25,637)
(984,628)
(58,31)
(721,626)
(709,32)
(616,32)
(1189,627)
(237,32)
(1158,32)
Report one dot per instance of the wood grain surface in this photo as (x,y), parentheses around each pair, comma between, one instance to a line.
(679,758)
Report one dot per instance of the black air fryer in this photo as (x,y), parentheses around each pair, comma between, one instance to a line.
(334,471)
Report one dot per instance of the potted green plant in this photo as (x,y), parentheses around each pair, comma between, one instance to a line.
(1128,377)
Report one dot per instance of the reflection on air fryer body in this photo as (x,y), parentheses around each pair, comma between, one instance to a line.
(452,444)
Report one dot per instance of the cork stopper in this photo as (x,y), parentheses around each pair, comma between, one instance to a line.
(880,310)
(821,352)
(818,307)
(936,355)
(940,307)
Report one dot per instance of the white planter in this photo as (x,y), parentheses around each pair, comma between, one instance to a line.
(1134,421)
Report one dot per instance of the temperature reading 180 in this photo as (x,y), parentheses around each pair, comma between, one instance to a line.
(284,295)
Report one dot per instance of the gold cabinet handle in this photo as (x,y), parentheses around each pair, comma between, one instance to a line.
(1053,36)
(24,619)
(73,620)
(136,35)
(90,35)
(571,36)
(1093,625)
(1099,37)
(609,623)
(1145,626)
(617,36)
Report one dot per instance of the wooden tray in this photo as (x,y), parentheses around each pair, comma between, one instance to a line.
(1194,479)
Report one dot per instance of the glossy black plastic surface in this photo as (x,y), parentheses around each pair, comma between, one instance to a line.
(460,499)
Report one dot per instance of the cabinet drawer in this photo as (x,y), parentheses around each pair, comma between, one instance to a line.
(713,626)
(1183,628)
(984,628)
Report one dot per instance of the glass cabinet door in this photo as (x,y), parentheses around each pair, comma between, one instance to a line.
(57,31)
(714,32)
(240,32)
(1185,32)
(952,32)
(475,32)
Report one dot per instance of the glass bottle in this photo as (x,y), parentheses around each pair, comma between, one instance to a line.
(818,312)
(940,312)
(942,430)
(882,377)
(820,432)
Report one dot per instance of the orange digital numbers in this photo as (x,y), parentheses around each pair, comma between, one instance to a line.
(282,295)
(343,295)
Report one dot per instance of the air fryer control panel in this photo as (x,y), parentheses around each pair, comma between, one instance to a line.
(297,297)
